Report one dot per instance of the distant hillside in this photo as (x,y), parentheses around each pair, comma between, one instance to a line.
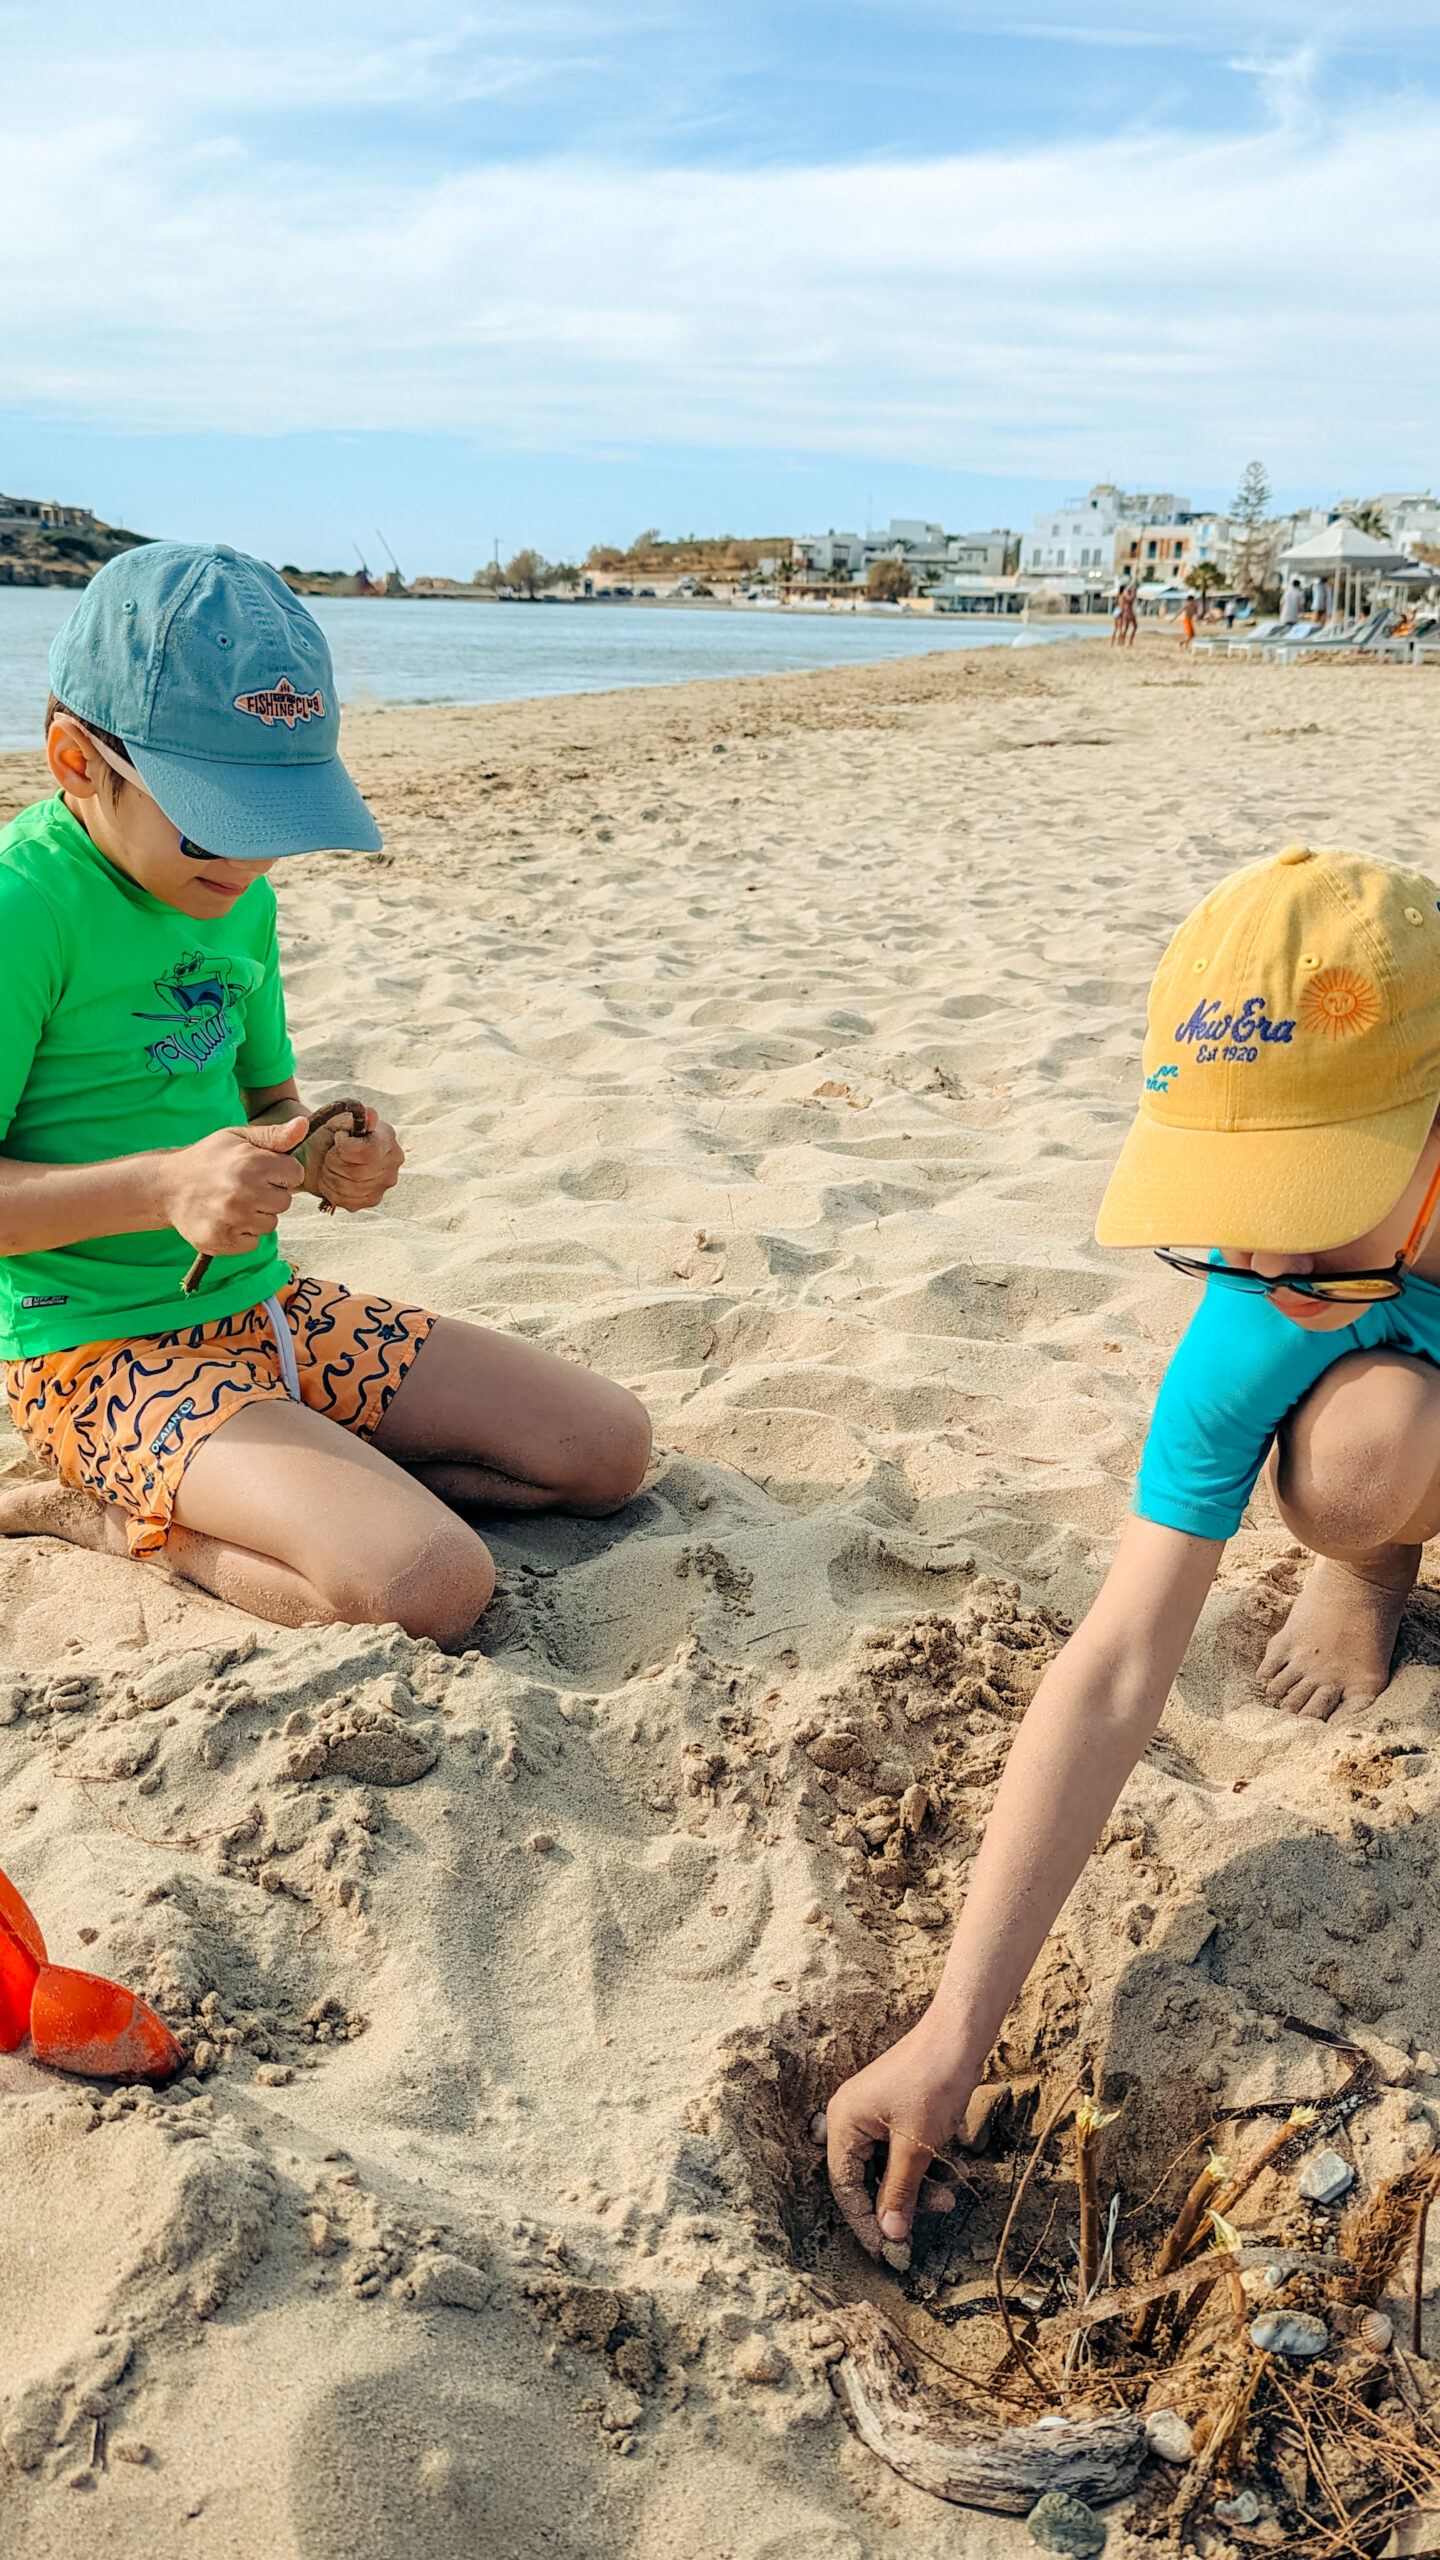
(43,545)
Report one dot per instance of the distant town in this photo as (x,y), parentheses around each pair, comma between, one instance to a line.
(1071,560)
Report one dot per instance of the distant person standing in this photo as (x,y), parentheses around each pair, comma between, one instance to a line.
(1291,602)
(1187,623)
(1123,634)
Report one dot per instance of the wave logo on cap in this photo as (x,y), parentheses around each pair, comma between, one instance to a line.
(282,702)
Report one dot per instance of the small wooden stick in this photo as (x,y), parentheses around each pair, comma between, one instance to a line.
(1301,2120)
(1417,2288)
(1088,2122)
(1182,2231)
(1002,2306)
(318,1120)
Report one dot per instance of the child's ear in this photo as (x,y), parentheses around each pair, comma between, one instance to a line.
(66,755)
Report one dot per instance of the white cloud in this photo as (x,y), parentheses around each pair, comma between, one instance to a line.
(1155,305)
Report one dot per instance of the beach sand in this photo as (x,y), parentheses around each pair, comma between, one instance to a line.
(764,1044)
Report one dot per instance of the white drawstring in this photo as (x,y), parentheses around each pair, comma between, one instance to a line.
(285,1345)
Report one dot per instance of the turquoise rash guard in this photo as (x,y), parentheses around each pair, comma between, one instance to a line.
(1239,1369)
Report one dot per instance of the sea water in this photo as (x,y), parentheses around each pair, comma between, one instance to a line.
(400,649)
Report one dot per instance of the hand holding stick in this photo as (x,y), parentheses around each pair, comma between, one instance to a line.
(355,1113)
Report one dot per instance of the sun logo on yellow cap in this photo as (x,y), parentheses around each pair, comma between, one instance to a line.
(1337,1002)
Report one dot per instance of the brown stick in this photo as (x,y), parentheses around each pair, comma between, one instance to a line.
(318,1120)
(1182,2231)
(1088,2121)
(1002,2306)
(1301,2120)
(1417,2288)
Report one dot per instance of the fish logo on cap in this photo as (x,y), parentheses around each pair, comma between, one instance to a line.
(282,702)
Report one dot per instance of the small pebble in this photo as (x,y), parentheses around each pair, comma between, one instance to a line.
(1289,2333)
(1324,2178)
(758,2361)
(896,2254)
(273,2075)
(1243,2508)
(539,1842)
(1168,2434)
(819,2126)
(128,2449)
(1377,2329)
(1061,2523)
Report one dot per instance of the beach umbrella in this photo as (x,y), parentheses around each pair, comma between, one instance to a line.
(1342,552)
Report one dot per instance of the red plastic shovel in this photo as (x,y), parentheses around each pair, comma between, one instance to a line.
(75,2021)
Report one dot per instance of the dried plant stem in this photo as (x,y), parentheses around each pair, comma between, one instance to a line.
(1088,2122)
(1301,2120)
(1417,2286)
(1182,2231)
(1197,2478)
(1018,2198)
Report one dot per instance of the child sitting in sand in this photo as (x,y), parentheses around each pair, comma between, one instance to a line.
(1288,1117)
(289,1445)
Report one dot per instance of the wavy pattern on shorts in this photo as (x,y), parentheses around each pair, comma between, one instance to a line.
(121,1421)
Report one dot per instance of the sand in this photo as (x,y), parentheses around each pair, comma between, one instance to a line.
(766,1045)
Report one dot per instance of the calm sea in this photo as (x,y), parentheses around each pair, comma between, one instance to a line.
(396,650)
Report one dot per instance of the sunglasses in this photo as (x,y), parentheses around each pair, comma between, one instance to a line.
(127,772)
(1332,1288)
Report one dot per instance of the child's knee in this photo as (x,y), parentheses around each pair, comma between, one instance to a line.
(611,1469)
(437,1585)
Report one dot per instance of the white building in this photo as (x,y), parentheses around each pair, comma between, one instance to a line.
(928,551)
(1411,515)
(1081,535)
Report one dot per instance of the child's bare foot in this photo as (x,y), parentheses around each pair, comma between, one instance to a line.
(1335,1647)
(38,1507)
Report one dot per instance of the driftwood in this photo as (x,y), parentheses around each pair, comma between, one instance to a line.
(927,2438)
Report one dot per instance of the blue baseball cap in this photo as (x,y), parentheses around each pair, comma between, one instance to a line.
(219,684)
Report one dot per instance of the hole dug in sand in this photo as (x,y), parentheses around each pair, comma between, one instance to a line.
(1223,2268)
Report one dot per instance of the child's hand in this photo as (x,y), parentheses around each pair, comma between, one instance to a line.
(230,1189)
(351,1172)
(913,2098)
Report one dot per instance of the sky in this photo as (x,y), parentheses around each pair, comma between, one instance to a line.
(321,280)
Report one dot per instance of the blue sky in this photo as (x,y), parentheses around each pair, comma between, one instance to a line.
(553,272)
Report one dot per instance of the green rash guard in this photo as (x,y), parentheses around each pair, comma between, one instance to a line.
(125,1027)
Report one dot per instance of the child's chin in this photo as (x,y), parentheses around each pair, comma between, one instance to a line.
(1311,1315)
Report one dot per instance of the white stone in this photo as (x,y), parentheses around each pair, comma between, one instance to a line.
(1168,2434)
(1325,2178)
(1243,2508)
(1289,2333)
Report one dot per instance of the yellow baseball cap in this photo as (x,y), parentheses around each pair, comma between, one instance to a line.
(1292,1060)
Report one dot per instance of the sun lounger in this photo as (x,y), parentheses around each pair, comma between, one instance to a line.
(1314,642)
(1238,643)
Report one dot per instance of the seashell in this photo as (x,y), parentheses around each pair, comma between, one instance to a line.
(1377,2329)
(1324,2178)
(1167,2434)
(1243,2508)
(1289,2333)
(819,2126)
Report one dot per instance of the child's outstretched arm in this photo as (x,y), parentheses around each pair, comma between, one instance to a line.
(1092,1716)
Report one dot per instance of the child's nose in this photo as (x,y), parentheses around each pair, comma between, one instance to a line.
(1270,1265)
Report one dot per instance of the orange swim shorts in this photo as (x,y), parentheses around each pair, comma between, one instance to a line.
(122,1420)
